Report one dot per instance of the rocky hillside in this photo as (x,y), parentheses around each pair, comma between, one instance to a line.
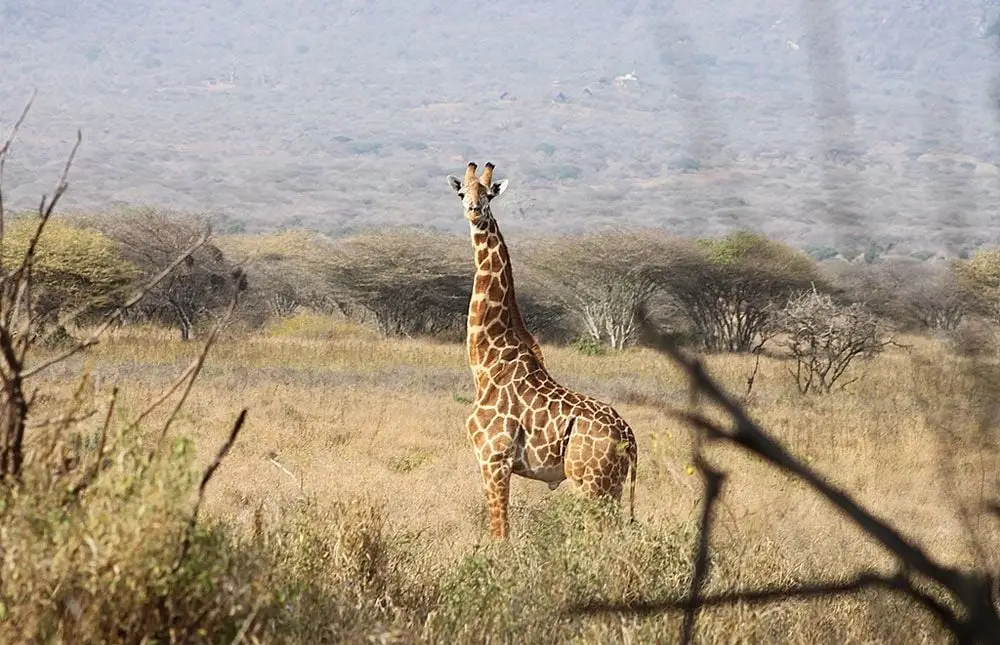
(822,123)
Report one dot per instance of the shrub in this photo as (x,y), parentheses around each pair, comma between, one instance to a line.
(286,271)
(408,283)
(913,295)
(75,270)
(824,339)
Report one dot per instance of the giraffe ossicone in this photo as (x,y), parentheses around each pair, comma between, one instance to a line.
(524,422)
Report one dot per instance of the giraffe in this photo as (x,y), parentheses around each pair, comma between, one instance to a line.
(524,422)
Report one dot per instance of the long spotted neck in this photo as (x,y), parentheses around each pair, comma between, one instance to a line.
(495,323)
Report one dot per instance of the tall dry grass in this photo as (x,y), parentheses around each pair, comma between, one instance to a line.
(350,509)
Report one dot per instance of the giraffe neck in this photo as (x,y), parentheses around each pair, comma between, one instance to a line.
(495,321)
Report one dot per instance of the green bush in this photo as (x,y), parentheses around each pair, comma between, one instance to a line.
(75,268)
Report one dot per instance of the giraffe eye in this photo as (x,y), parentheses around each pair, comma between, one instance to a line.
(461,195)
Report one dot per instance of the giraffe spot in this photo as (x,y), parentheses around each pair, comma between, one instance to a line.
(481,283)
(503,401)
(494,329)
(495,292)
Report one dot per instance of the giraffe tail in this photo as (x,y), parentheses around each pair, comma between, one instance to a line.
(633,455)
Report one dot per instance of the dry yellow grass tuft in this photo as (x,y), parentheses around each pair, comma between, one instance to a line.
(337,416)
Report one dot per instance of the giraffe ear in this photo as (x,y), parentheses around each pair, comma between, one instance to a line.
(498,188)
(455,183)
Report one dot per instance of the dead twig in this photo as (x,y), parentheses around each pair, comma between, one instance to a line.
(713,488)
(95,468)
(4,153)
(205,479)
(196,366)
(975,621)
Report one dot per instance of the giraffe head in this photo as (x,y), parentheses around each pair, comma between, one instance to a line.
(476,193)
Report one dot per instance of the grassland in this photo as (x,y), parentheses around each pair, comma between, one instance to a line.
(355,464)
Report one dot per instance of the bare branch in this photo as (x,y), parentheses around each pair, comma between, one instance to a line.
(95,468)
(713,488)
(195,369)
(205,479)
(4,153)
(978,621)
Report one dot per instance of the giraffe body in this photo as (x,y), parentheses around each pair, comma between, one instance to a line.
(524,422)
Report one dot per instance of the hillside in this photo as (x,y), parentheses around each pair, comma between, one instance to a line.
(819,126)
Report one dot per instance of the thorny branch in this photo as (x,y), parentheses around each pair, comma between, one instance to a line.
(205,479)
(976,621)
(713,488)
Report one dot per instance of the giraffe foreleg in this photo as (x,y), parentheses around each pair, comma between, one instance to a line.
(496,481)
(496,464)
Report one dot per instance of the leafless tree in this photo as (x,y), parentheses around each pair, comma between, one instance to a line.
(150,239)
(824,338)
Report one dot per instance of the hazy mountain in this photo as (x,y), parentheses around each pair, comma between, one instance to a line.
(799,119)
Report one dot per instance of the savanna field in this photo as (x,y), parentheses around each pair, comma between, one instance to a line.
(350,508)
(260,438)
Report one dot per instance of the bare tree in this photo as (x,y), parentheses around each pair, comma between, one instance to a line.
(150,239)
(607,279)
(824,338)
(408,282)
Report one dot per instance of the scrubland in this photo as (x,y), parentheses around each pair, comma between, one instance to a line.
(350,510)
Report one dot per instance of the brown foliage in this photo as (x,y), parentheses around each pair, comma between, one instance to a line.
(824,338)
(913,295)
(151,239)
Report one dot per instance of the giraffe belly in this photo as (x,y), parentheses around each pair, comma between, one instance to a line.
(550,473)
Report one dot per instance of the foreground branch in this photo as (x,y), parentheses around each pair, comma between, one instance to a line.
(976,620)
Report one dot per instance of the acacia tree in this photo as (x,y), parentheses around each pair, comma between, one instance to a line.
(732,290)
(912,294)
(287,270)
(75,272)
(607,279)
(406,283)
(150,239)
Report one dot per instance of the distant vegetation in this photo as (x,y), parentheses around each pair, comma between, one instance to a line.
(341,348)
(730,293)
(324,116)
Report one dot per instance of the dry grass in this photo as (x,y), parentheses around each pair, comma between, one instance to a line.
(340,420)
